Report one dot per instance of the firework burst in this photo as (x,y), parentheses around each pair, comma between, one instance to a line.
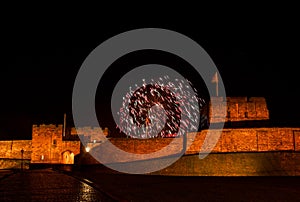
(162,108)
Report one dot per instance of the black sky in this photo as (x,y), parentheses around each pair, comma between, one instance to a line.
(255,57)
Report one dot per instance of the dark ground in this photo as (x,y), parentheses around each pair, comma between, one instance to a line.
(96,185)
(177,188)
(46,185)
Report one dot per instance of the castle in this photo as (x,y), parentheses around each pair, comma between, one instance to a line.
(49,143)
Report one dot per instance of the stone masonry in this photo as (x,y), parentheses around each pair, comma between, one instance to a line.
(49,146)
(238,109)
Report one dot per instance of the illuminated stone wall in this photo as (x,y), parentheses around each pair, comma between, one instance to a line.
(48,145)
(230,141)
(12,149)
(11,155)
(14,163)
(239,109)
(236,164)
(251,140)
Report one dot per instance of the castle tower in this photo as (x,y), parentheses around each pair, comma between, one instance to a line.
(48,145)
(238,109)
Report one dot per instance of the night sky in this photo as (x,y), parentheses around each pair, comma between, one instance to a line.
(41,60)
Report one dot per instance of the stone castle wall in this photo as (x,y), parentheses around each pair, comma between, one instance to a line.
(48,145)
(12,149)
(236,164)
(251,140)
(47,141)
(230,141)
(11,155)
(238,109)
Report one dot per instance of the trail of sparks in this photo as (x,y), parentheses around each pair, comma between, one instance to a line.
(162,108)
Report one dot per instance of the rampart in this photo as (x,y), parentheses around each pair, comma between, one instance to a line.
(51,145)
(11,156)
(12,149)
(231,141)
(238,109)
(48,145)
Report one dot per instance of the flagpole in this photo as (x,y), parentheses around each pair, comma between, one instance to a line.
(215,79)
(217,85)
(64,126)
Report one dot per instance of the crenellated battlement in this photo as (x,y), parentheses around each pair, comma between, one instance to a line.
(238,109)
(51,144)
